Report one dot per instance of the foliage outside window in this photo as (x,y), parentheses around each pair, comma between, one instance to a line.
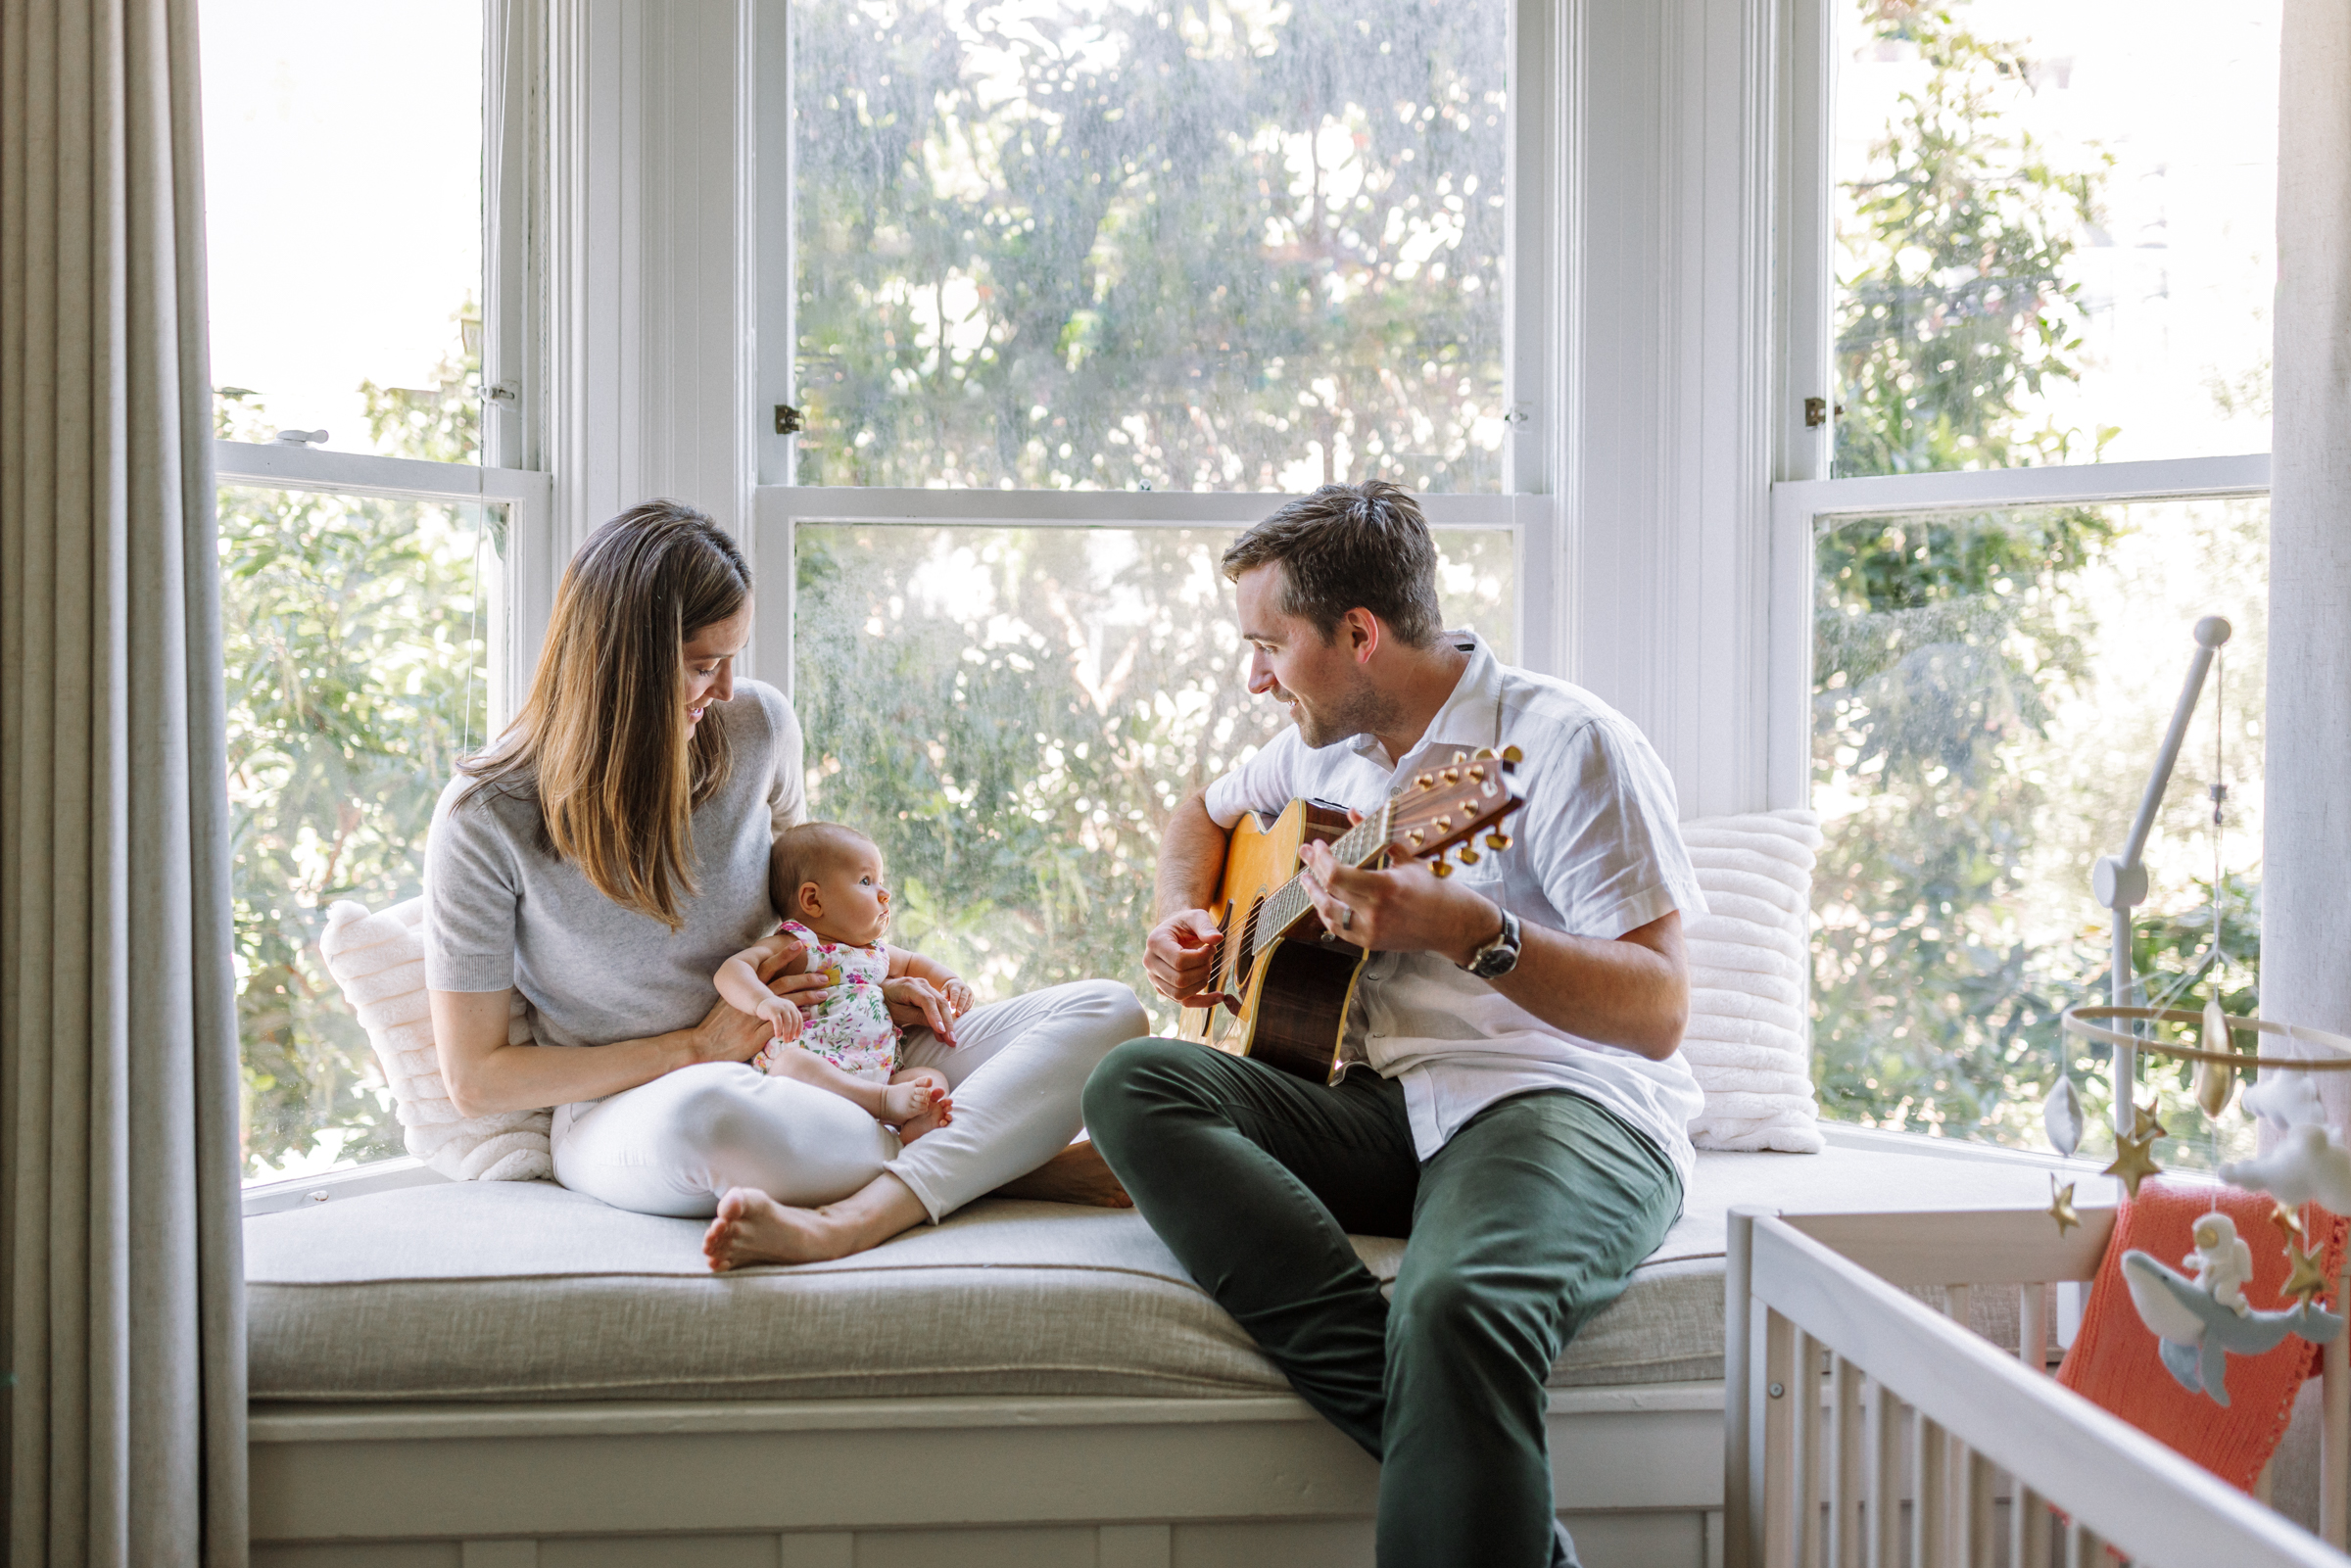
(356,643)
(1209,244)
(1985,707)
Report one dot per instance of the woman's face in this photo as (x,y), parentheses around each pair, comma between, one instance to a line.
(708,662)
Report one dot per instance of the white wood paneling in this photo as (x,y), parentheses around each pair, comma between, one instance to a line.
(1668,459)
(650,258)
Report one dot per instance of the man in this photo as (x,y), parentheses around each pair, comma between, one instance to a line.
(1514,1102)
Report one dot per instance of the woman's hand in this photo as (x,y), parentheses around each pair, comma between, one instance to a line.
(916,1003)
(726,1034)
(788,975)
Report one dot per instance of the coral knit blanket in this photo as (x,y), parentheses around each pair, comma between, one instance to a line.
(2113,1361)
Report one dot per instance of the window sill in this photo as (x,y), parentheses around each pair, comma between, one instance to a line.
(377,1175)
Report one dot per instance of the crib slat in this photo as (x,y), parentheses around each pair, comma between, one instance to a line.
(1930,1508)
(1844,1468)
(1779,1460)
(2033,1326)
(1804,1392)
(1978,1511)
(2083,1549)
(1885,1431)
(2028,1527)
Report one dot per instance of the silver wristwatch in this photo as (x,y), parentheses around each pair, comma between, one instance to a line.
(1500,956)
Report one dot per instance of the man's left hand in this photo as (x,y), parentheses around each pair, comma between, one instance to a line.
(1406,910)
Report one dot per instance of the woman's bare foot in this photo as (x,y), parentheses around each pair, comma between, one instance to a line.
(935,1115)
(754,1228)
(902,1103)
(1076,1175)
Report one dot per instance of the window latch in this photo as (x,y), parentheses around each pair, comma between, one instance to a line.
(505,394)
(1817,412)
(787,420)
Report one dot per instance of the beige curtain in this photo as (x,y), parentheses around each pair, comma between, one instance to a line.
(2306,909)
(122,1308)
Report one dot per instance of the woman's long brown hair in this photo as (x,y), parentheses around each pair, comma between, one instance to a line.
(601,743)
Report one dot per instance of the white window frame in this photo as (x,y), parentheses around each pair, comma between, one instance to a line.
(1803,495)
(1534,385)
(512,422)
(1800,507)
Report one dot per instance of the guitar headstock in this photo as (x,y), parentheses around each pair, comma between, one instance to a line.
(1452,804)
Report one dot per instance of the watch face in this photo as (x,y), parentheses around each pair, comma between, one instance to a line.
(1492,965)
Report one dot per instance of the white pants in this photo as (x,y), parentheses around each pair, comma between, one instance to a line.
(673,1146)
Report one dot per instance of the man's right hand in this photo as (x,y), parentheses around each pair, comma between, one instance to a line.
(1181,957)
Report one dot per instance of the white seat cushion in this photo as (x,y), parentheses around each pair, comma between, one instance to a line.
(526,1290)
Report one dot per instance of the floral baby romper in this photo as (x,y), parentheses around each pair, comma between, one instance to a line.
(852,1031)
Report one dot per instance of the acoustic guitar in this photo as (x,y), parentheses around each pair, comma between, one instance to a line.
(1287,983)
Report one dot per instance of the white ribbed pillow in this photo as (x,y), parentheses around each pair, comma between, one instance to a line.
(1749,1040)
(379,962)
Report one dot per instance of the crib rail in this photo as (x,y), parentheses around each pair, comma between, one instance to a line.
(1866,1430)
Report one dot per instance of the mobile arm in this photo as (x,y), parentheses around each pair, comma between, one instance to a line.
(2119,882)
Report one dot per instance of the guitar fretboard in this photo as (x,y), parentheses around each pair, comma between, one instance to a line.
(1359,846)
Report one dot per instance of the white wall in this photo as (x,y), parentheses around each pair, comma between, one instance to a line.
(1668,453)
(650,262)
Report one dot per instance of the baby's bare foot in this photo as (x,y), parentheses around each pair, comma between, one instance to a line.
(903,1102)
(936,1116)
(754,1228)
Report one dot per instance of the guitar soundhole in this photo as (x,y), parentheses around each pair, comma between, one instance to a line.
(1244,958)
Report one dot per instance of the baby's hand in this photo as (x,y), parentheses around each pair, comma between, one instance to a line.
(782,1016)
(918,1001)
(959,996)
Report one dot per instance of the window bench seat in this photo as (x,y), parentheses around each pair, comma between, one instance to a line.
(513,1373)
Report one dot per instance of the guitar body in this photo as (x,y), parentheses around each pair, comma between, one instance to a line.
(1293,992)
(1286,983)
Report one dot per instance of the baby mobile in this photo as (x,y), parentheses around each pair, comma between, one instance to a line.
(2200,1317)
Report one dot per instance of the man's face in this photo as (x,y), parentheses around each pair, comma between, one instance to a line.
(1322,682)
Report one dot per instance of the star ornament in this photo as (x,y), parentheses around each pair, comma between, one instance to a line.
(2131,1162)
(2061,1204)
(2288,1221)
(2144,1125)
(2306,1274)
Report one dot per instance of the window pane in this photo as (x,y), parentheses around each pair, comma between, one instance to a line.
(357,638)
(343,207)
(1012,712)
(1099,244)
(1989,694)
(2045,254)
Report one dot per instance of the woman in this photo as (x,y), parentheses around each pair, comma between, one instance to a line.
(611,851)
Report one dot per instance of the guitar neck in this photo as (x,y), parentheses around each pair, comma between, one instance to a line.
(1288,904)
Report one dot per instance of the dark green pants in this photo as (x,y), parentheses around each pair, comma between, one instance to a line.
(1520,1228)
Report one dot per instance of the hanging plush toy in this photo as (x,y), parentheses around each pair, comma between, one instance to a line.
(2198,1329)
(2222,1264)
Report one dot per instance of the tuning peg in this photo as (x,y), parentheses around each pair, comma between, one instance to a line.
(1444,824)
(1498,840)
(1439,868)
(1427,781)
(1414,836)
(1453,776)
(1468,856)
(1461,756)
(1477,772)
(1485,753)
(1512,754)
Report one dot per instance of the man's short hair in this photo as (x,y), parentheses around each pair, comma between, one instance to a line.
(1346,548)
(803,854)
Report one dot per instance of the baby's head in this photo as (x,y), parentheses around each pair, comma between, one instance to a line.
(829,879)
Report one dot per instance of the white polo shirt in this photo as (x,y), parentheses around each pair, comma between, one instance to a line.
(1596,853)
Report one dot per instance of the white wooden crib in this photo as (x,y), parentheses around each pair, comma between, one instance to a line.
(1862,1427)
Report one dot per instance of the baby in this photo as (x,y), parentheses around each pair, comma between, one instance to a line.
(826,883)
